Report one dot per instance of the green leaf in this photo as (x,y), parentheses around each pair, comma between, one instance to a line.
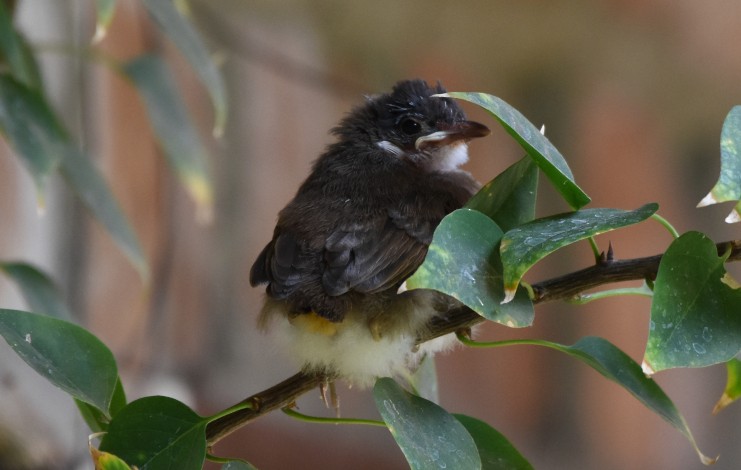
(728,187)
(187,40)
(695,318)
(537,146)
(67,355)
(496,452)
(88,184)
(527,244)
(105,10)
(157,432)
(509,199)
(38,290)
(614,364)
(732,391)
(428,435)
(15,52)
(175,132)
(463,262)
(98,421)
(35,134)
(32,130)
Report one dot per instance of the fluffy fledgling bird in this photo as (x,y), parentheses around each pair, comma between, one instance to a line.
(360,225)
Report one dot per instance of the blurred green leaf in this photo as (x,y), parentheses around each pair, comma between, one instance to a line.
(509,199)
(175,132)
(463,262)
(104,10)
(537,146)
(88,184)
(32,130)
(732,391)
(175,25)
(96,420)
(695,318)
(41,142)
(527,244)
(157,432)
(428,435)
(38,290)
(496,452)
(16,53)
(728,187)
(67,355)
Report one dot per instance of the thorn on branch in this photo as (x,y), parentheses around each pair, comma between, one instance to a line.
(606,258)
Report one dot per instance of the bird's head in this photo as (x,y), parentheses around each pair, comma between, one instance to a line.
(413,125)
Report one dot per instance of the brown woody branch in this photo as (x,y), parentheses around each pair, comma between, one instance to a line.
(563,287)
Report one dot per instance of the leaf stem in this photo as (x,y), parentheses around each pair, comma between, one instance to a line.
(668,226)
(586,298)
(595,249)
(499,344)
(318,419)
(232,409)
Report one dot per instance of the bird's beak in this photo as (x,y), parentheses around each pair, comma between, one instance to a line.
(462,131)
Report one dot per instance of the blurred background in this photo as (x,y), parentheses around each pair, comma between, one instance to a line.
(633,93)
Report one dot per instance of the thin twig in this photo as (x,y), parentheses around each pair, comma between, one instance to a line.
(275,397)
(559,288)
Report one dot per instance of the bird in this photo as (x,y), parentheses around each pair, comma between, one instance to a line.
(358,227)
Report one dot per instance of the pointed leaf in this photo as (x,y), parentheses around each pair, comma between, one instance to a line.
(732,391)
(509,199)
(67,355)
(695,318)
(427,434)
(98,421)
(29,125)
(175,131)
(157,432)
(527,244)
(496,452)
(35,134)
(38,290)
(537,146)
(187,40)
(105,10)
(15,52)
(728,187)
(463,262)
(88,184)
(617,366)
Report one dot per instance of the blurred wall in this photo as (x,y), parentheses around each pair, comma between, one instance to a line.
(632,92)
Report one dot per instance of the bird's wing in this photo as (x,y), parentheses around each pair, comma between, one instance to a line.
(374,256)
(283,264)
(366,257)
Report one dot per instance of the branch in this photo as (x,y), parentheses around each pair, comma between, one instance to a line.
(275,397)
(563,287)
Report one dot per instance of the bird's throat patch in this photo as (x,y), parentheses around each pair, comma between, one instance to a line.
(315,323)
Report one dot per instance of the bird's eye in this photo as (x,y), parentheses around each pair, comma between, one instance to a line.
(410,126)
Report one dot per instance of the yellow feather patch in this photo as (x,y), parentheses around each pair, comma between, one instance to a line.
(316,324)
